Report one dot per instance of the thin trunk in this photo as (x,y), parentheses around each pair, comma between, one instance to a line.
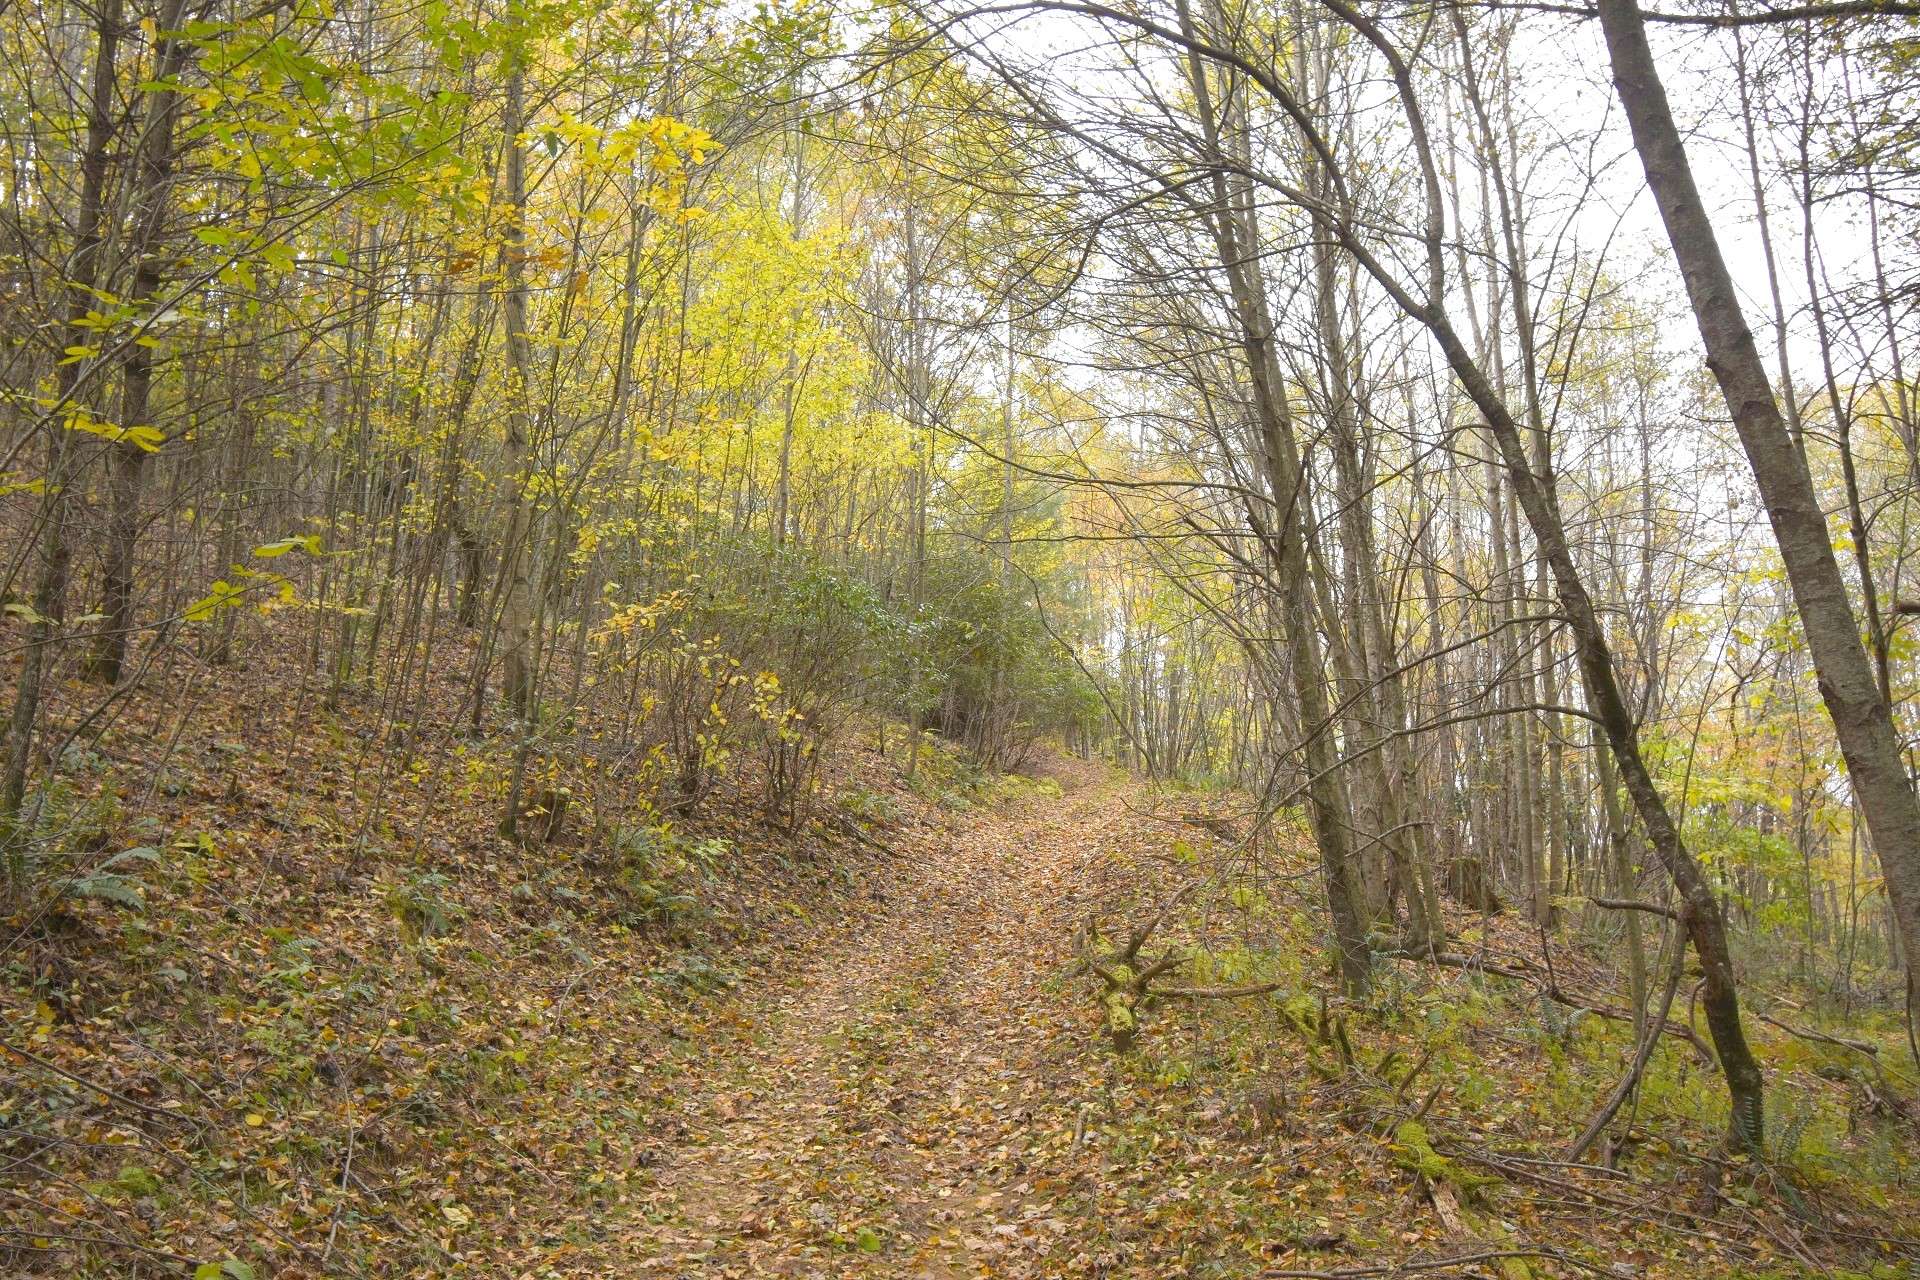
(516,620)
(1236,236)
(56,554)
(153,169)
(516,590)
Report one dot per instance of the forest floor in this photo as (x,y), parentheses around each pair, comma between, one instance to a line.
(352,1032)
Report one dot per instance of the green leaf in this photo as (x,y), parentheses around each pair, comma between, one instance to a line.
(224,595)
(309,543)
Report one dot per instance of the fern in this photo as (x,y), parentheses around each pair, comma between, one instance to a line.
(1786,1139)
(421,907)
(105,884)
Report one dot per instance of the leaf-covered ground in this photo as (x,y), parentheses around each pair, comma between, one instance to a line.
(345,1041)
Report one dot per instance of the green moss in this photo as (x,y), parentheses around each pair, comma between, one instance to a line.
(1413,1151)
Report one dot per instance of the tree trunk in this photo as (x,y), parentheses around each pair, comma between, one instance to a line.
(516,618)
(154,172)
(1861,719)
(1235,231)
(516,590)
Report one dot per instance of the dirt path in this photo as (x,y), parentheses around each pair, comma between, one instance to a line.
(888,1112)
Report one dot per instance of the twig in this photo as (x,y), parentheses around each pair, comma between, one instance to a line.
(1858,1046)
(1216,993)
(346,1171)
(121,1098)
(848,827)
(1138,938)
(107,1242)
(1413,1072)
(1553,992)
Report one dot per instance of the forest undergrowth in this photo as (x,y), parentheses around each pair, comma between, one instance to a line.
(305,1041)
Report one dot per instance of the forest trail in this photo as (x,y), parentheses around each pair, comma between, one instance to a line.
(889,1110)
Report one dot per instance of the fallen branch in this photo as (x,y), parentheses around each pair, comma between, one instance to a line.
(1642,1052)
(1551,991)
(1128,975)
(848,827)
(1627,904)
(1436,1264)
(1218,993)
(1138,938)
(1871,1052)
(1821,1037)
(160,1113)
(32,1237)
(1219,828)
